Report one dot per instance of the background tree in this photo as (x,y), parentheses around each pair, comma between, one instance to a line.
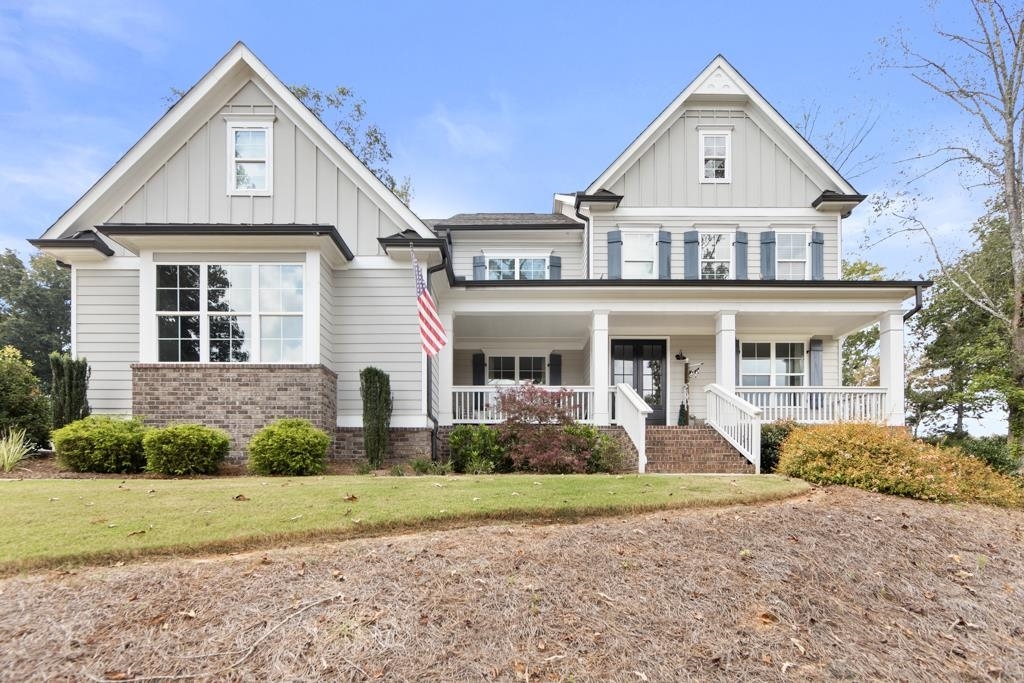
(860,349)
(35,309)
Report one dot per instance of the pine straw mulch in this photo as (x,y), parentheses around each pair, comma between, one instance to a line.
(837,584)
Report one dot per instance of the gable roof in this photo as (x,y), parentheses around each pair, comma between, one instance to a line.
(239,59)
(522,221)
(722,82)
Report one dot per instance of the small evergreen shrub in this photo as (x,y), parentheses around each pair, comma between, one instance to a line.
(291,447)
(599,451)
(185,449)
(23,405)
(877,458)
(772,436)
(476,449)
(14,447)
(68,400)
(100,443)
(375,390)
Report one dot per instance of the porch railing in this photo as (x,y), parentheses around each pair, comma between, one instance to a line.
(817,404)
(479,405)
(736,420)
(631,414)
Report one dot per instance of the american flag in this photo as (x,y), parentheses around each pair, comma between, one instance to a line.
(431,330)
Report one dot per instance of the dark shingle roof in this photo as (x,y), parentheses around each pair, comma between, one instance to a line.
(507,220)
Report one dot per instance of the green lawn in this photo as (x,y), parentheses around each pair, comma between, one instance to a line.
(50,522)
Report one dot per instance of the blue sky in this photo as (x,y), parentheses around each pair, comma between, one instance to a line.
(488,106)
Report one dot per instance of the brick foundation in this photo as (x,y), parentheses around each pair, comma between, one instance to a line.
(405,443)
(240,399)
(694,449)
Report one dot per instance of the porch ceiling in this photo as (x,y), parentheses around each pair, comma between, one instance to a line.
(572,330)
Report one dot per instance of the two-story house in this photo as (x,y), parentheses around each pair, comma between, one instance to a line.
(239,264)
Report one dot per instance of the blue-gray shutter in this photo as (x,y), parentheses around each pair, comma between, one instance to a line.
(741,256)
(614,254)
(554,267)
(691,255)
(479,268)
(555,370)
(817,256)
(768,255)
(478,370)
(664,255)
(739,357)
(816,371)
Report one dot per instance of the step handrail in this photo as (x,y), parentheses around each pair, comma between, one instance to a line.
(738,421)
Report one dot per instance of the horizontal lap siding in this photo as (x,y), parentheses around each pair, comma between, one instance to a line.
(107,334)
(376,325)
(697,350)
(327,326)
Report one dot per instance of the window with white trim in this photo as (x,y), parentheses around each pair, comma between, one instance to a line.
(639,255)
(715,162)
(791,255)
(250,151)
(715,255)
(516,369)
(768,364)
(517,267)
(230,313)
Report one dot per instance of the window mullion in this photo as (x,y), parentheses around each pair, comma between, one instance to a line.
(254,297)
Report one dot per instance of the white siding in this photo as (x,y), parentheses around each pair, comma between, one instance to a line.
(107,334)
(327,324)
(698,350)
(573,366)
(567,244)
(832,373)
(377,325)
(191,187)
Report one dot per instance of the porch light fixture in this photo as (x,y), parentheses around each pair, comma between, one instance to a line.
(681,356)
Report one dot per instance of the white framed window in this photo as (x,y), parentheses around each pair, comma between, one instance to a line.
(791,255)
(510,369)
(517,267)
(715,249)
(639,254)
(250,157)
(773,364)
(715,156)
(229,313)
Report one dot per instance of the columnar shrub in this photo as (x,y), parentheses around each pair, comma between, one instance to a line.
(68,392)
(23,405)
(291,447)
(477,449)
(100,443)
(876,458)
(375,390)
(185,449)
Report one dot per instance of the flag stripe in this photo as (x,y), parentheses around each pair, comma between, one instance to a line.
(432,334)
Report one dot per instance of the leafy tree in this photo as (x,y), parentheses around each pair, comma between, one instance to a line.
(22,404)
(860,349)
(35,309)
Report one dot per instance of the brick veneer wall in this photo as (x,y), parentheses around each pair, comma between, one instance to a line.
(405,443)
(238,398)
(693,449)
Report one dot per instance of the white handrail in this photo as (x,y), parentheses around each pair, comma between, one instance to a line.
(479,404)
(736,420)
(631,413)
(817,404)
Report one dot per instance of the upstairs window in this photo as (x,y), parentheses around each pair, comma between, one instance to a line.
(517,268)
(249,158)
(715,255)
(791,256)
(639,255)
(715,148)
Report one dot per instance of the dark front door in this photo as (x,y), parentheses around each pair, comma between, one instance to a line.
(641,363)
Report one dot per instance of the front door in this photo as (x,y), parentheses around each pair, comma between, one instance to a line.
(641,363)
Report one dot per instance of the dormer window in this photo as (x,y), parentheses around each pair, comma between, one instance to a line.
(250,148)
(715,149)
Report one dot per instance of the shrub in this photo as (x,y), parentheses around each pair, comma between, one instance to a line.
(70,383)
(185,449)
(996,451)
(100,443)
(14,448)
(423,466)
(532,431)
(375,390)
(23,405)
(772,436)
(477,449)
(290,446)
(599,451)
(876,458)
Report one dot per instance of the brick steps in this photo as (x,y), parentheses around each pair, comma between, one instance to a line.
(696,449)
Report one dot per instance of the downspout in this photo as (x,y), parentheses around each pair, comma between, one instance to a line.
(430,375)
(590,237)
(918,303)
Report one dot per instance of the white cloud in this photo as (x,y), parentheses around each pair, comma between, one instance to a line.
(480,132)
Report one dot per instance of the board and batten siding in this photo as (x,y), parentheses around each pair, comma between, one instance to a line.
(567,245)
(308,188)
(377,325)
(107,334)
(763,170)
(678,225)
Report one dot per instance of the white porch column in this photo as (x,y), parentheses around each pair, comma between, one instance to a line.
(725,350)
(445,372)
(891,365)
(600,366)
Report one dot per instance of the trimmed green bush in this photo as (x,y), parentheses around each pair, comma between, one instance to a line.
(477,449)
(100,443)
(877,458)
(599,451)
(772,436)
(375,390)
(185,449)
(70,384)
(23,405)
(291,446)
